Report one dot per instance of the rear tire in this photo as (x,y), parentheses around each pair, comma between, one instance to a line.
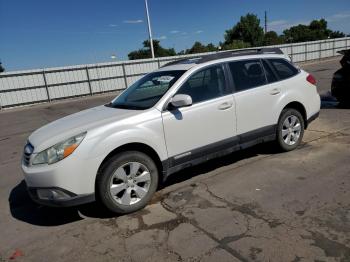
(290,129)
(127,182)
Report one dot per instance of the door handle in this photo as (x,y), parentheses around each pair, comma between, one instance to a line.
(225,106)
(275,91)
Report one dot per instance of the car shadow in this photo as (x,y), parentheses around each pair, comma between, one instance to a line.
(24,209)
(213,164)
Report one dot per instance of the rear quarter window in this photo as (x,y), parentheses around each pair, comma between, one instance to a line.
(283,68)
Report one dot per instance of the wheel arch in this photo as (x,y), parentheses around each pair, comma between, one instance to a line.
(140,147)
(300,108)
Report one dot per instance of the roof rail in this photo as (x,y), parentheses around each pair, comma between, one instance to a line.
(227,54)
(183,61)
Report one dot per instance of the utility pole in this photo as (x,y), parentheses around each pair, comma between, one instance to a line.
(265,22)
(149,29)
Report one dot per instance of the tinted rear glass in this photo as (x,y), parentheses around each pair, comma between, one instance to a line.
(247,74)
(283,68)
(271,77)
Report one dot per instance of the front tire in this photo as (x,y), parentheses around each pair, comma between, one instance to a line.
(127,182)
(290,129)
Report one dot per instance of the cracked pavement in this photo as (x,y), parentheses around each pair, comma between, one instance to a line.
(253,205)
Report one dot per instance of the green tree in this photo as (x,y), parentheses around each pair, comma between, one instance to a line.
(272,38)
(211,47)
(299,33)
(2,69)
(198,47)
(336,34)
(145,52)
(248,30)
(319,29)
(316,30)
(235,44)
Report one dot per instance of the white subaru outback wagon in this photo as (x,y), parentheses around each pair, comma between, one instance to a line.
(180,115)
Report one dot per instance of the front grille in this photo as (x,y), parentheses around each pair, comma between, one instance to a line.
(28,151)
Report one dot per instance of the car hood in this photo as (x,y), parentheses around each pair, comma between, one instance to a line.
(66,127)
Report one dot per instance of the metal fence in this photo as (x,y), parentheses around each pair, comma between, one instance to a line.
(46,85)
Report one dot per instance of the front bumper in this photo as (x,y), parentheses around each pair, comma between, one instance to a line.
(73,178)
(70,198)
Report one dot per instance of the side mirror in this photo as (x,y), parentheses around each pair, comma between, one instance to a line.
(180,100)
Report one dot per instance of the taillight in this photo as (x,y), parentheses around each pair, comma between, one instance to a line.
(311,79)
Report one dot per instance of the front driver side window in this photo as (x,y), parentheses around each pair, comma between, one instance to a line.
(205,85)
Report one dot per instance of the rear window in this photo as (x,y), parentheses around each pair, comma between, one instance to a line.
(283,68)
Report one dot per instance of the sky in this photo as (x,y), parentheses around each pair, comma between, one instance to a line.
(46,33)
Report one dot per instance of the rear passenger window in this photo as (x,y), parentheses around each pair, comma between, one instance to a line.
(247,74)
(283,68)
(271,77)
(205,85)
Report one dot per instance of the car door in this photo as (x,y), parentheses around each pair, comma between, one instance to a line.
(208,125)
(256,96)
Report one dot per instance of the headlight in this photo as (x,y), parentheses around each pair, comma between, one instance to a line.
(58,151)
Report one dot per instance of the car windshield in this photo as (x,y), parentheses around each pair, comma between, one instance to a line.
(147,91)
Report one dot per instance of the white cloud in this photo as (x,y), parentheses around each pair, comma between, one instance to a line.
(338,16)
(163,37)
(133,21)
(174,32)
(112,25)
(199,32)
(280,25)
(278,22)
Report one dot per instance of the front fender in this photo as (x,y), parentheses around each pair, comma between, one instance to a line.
(142,135)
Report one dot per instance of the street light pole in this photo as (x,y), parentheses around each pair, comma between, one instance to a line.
(149,29)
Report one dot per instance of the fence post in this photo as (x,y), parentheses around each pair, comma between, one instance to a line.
(124,74)
(305,54)
(158,63)
(88,79)
(0,102)
(334,47)
(319,50)
(46,87)
(291,52)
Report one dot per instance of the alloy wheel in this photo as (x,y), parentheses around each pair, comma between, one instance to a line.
(291,130)
(130,183)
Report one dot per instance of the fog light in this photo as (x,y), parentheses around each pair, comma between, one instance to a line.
(52,194)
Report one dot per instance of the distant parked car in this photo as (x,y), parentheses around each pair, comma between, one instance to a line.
(180,115)
(341,79)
